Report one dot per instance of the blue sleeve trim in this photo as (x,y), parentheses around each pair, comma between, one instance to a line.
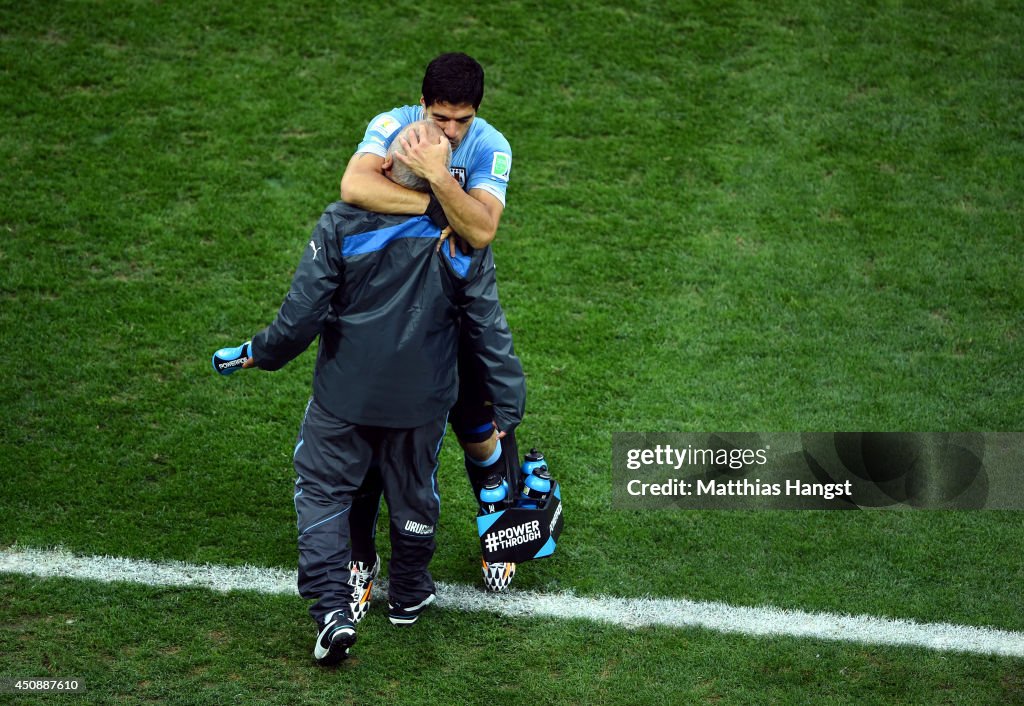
(384,127)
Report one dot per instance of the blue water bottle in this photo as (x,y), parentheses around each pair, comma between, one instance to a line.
(536,480)
(532,461)
(493,493)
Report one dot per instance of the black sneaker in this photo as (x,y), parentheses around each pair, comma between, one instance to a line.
(403,614)
(336,636)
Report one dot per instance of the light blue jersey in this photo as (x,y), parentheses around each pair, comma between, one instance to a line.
(483,159)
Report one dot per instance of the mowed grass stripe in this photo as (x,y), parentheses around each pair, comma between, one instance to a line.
(624,612)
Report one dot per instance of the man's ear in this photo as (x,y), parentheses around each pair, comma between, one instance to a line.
(386,164)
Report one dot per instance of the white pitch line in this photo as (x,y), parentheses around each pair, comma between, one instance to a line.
(624,612)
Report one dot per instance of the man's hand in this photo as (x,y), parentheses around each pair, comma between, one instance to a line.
(426,159)
(452,240)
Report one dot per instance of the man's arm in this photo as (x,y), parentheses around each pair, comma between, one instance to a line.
(364,185)
(474,215)
(305,308)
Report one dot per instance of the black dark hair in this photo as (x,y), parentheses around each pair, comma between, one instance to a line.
(453,78)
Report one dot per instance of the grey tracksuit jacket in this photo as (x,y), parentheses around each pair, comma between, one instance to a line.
(387,308)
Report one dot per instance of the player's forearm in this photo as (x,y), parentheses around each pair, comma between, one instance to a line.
(466,215)
(277,345)
(375,192)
